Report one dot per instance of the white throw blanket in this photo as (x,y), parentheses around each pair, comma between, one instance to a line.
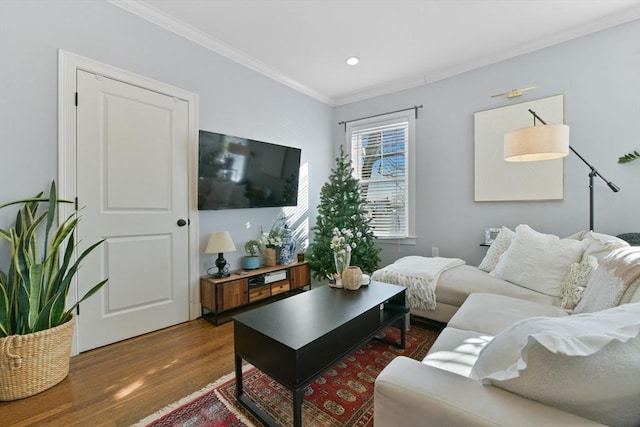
(420,276)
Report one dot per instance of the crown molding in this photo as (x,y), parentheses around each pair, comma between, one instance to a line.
(630,15)
(195,35)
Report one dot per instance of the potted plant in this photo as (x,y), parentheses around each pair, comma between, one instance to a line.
(271,241)
(252,260)
(35,328)
(629,157)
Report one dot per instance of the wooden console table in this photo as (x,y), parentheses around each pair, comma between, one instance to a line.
(239,289)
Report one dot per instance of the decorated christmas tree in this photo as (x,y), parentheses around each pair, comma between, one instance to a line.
(342,217)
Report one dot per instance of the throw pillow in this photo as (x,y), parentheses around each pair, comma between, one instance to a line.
(614,281)
(601,245)
(586,364)
(574,284)
(577,236)
(538,261)
(497,248)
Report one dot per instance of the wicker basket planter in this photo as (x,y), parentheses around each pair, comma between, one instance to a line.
(32,363)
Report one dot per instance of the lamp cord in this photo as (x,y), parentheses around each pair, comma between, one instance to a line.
(214,270)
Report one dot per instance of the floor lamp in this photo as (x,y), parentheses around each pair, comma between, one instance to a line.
(547,142)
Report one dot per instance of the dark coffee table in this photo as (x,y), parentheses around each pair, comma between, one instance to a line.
(296,339)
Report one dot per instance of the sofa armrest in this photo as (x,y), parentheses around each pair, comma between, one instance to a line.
(410,393)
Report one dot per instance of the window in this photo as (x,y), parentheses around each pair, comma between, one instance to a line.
(382,154)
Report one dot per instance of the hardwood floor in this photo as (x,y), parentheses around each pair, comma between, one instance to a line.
(120,384)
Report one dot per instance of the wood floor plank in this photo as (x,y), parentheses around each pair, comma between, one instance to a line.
(120,384)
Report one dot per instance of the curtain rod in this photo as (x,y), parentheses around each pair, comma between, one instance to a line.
(414,108)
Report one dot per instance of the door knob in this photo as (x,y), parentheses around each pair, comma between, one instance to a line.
(182,222)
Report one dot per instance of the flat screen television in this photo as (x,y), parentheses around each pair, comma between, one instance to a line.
(235,173)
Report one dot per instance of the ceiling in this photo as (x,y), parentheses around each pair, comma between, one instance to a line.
(400,43)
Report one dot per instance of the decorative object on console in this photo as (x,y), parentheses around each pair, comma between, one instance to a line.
(220,242)
(352,278)
(287,251)
(269,257)
(301,248)
(271,241)
(547,142)
(252,260)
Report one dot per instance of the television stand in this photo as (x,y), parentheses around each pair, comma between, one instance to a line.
(222,295)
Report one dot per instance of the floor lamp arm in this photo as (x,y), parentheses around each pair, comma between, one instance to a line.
(595,172)
(592,173)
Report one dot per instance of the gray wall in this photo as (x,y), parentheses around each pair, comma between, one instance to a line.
(599,76)
(232,99)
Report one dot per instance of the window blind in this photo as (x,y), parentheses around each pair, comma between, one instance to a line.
(379,153)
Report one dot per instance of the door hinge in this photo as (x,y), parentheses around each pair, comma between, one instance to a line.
(76,203)
(76,100)
(78,310)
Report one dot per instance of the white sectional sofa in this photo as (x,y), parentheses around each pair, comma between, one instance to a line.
(456,284)
(512,355)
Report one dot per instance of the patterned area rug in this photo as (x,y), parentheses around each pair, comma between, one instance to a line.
(342,396)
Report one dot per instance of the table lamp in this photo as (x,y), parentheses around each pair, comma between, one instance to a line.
(220,242)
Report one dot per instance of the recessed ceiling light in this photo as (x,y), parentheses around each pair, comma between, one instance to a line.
(353,60)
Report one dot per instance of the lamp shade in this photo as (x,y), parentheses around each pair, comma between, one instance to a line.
(535,143)
(219,242)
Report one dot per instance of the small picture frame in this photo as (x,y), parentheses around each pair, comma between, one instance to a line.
(490,235)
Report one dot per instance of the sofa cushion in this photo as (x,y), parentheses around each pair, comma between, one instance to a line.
(497,248)
(631,238)
(538,261)
(586,363)
(614,282)
(456,350)
(491,314)
(601,245)
(575,283)
(410,393)
(456,284)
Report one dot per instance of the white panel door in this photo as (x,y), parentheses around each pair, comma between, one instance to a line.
(132,191)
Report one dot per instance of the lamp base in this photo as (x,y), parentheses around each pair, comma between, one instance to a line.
(220,275)
(223,268)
